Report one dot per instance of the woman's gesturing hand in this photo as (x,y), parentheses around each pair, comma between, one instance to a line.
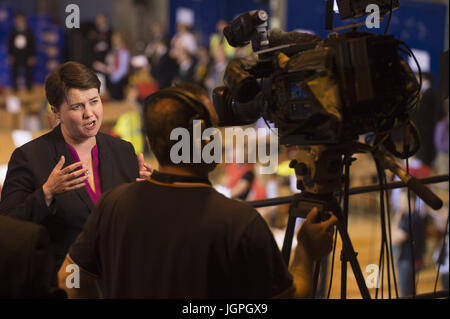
(145,170)
(62,180)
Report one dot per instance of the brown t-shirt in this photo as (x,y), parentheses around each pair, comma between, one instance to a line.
(160,240)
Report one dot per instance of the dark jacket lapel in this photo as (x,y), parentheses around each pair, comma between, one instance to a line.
(61,149)
(105,160)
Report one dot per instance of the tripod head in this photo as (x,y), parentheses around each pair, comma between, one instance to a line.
(319,168)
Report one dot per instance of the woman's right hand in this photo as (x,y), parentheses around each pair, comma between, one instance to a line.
(62,180)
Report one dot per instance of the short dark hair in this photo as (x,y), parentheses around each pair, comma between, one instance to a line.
(163,113)
(70,75)
(162,116)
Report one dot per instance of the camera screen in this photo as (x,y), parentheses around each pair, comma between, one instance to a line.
(296,91)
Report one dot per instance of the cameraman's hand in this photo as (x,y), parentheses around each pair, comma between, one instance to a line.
(63,180)
(315,236)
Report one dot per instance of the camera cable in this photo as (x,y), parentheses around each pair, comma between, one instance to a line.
(390,16)
(333,256)
(411,214)
(388,209)
(440,256)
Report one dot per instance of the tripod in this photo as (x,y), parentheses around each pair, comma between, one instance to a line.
(320,169)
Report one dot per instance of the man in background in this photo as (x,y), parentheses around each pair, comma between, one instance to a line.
(21,50)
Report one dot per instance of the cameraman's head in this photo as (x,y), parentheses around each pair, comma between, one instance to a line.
(174,108)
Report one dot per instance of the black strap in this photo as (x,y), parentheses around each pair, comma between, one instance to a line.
(172,178)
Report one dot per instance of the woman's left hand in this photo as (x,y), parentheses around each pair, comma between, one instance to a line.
(145,170)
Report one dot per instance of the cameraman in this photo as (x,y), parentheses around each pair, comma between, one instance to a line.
(174,236)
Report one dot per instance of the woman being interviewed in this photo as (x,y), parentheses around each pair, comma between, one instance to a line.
(56,179)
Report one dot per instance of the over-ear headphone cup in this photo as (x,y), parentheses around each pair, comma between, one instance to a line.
(193,124)
(185,97)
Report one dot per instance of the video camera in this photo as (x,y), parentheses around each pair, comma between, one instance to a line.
(316,91)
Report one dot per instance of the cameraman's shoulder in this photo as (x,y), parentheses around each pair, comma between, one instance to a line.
(234,207)
(11,227)
(119,192)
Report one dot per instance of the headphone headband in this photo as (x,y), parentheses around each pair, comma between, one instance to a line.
(183,96)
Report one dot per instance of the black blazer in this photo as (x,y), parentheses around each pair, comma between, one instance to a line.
(26,261)
(29,168)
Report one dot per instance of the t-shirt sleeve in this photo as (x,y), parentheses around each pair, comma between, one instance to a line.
(83,251)
(258,269)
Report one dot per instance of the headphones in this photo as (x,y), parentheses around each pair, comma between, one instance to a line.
(187,99)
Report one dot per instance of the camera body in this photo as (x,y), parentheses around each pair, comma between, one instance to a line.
(318,91)
(357,8)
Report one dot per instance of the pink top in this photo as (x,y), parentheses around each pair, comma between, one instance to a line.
(95,196)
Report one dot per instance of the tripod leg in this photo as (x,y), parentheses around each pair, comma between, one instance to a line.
(344,221)
(351,255)
(289,235)
(290,229)
(316,278)
(343,274)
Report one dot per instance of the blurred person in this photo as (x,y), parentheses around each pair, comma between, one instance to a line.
(241,178)
(26,261)
(157,36)
(142,84)
(217,69)
(128,126)
(442,260)
(183,40)
(425,117)
(201,244)
(202,67)
(441,251)
(184,49)
(116,68)
(56,179)
(21,51)
(401,238)
(186,66)
(218,39)
(441,143)
(101,37)
(141,79)
(163,67)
